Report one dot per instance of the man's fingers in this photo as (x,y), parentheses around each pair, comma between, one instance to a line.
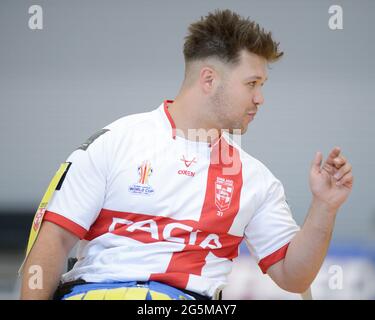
(343,171)
(337,166)
(347,180)
(328,168)
(333,154)
(317,161)
(339,161)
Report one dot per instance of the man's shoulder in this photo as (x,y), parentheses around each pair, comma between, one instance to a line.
(117,131)
(253,168)
(246,158)
(130,122)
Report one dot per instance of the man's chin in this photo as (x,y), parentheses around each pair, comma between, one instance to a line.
(238,131)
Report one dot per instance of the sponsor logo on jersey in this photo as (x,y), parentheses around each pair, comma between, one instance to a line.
(39,217)
(186,173)
(187,163)
(142,187)
(151,230)
(223,194)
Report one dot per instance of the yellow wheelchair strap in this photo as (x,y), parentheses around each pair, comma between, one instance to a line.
(38,218)
(120,294)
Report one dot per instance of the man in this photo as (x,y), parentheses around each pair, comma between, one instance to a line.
(161,208)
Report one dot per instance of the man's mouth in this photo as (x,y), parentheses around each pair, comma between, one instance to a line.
(251,114)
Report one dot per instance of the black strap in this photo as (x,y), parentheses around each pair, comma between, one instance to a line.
(197,296)
(67,287)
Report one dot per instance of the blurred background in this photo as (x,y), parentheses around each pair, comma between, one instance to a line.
(96,61)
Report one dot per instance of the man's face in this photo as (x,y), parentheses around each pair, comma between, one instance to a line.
(237,97)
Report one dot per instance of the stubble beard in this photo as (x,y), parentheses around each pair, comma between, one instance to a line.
(221,107)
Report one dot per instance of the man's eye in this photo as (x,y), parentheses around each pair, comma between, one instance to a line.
(252,84)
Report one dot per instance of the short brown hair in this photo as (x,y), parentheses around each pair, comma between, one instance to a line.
(223,34)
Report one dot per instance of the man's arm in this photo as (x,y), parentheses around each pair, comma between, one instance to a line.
(49,253)
(308,248)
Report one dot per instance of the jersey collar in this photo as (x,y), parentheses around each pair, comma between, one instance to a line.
(169,123)
(169,117)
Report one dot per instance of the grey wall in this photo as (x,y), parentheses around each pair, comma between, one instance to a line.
(95,61)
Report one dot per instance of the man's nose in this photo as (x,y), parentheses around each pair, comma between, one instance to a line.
(258,98)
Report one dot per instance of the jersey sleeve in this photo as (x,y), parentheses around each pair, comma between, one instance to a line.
(80,194)
(272,226)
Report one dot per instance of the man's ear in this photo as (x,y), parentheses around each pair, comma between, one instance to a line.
(207,79)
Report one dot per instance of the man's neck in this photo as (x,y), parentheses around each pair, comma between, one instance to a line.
(189,118)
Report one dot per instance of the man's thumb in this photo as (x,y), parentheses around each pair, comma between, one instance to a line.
(317,162)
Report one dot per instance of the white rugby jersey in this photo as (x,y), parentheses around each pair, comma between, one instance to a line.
(150,205)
